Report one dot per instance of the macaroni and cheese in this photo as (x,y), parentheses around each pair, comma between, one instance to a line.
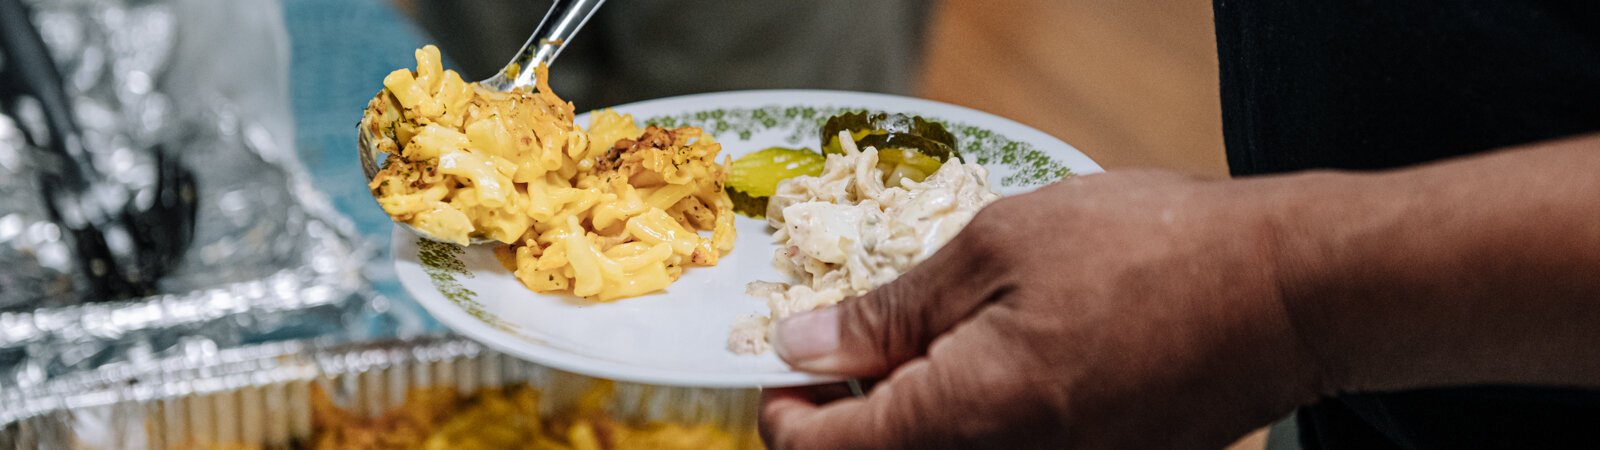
(607,213)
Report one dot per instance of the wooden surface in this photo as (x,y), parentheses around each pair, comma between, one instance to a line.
(1132,83)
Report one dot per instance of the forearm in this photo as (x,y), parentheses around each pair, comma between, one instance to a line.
(1477,271)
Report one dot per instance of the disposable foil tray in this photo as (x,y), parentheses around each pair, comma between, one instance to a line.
(260,396)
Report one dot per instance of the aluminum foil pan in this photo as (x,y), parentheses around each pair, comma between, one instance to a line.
(270,259)
(260,396)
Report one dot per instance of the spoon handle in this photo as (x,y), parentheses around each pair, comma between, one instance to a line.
(557,29)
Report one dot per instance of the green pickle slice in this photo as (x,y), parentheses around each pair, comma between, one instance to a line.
(909,147)
(753,178)
(884,130)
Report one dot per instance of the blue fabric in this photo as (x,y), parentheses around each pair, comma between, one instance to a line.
(340,51)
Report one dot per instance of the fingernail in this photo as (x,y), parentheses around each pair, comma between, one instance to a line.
(805,338)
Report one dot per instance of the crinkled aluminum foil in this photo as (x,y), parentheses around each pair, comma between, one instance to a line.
(260,395)
(270,259)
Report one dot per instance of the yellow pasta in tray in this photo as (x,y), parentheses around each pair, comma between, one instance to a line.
(610,212)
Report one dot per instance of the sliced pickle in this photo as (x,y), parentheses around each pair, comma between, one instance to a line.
(754,177)
(746,205)
(895,156)
(899,163)
(883,130)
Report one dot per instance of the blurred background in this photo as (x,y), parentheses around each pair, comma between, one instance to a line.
(1131,83)
(283,245)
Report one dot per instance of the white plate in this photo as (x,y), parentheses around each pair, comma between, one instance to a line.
(678,337)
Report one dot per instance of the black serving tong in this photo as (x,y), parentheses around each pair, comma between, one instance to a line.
(125,236)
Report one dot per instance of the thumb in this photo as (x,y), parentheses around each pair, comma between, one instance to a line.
(872,334)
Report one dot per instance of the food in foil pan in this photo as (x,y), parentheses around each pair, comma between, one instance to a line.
(499,417)
(423,394)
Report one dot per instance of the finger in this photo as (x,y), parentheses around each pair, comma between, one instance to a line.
(928,403)
(799,420)
(871,334)
(803,395)
(797,397)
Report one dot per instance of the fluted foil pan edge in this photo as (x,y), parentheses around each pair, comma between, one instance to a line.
(259,396)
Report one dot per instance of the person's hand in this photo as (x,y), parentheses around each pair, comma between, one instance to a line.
(1129,310)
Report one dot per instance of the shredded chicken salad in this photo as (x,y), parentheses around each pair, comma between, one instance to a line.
(846,231)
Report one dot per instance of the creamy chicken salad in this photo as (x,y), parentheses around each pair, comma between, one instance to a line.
(848,230)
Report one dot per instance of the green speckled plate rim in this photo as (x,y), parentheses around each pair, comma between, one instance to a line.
(1030,167)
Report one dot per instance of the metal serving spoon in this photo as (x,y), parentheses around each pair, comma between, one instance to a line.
(557,28)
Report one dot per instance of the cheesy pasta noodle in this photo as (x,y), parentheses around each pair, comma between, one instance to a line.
(611,212)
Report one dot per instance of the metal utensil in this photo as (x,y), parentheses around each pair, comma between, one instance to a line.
(127,233)
(555,31)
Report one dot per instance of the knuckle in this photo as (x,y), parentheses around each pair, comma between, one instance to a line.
(879,326)
(903,318)
(863,336)
(917,415)
(981,419)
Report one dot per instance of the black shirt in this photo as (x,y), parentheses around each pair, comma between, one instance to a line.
(1365,84)
(1373,84)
